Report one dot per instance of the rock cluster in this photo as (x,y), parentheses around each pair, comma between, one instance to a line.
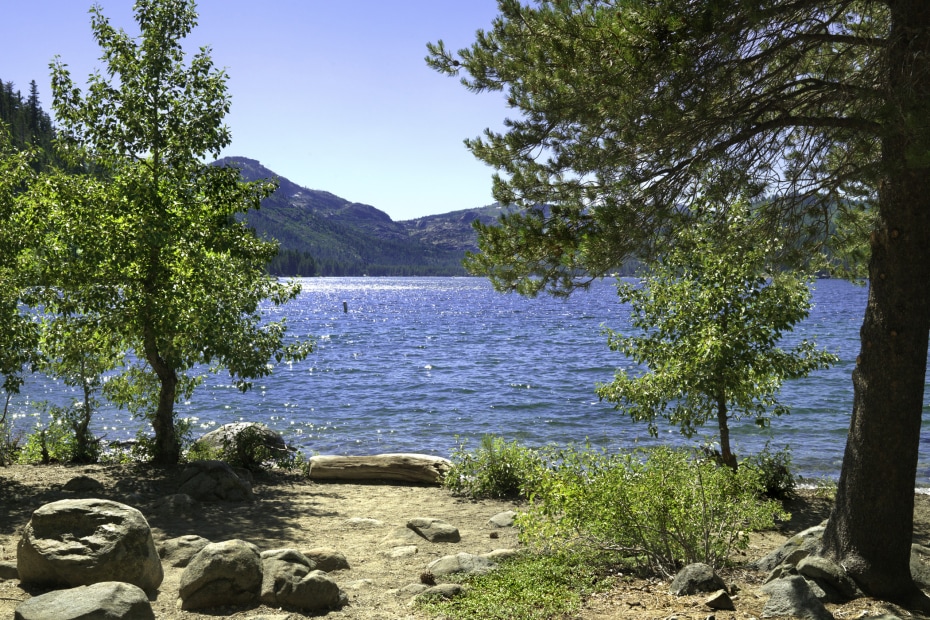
(799,581)
(101,553)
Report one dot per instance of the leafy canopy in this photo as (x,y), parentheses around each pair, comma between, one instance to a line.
(18,332)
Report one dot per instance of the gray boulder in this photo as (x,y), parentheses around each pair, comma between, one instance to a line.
(694,579)
(214,481)
(108,600)
(838,587)
(224,573)
(794,550)
(327,560)
(179,552)
(84,484)
(792,597)
(461,563)
(76,542)
(291,579)
(435,530)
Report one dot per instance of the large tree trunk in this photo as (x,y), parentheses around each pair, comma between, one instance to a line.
(870,529)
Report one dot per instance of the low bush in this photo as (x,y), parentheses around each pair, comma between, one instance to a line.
(497,469)
(9,443)
(774,467)
(249,449)
(49,442)
(529,587)
(658,509)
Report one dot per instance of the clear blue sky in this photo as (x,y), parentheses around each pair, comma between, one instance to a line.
(332,95)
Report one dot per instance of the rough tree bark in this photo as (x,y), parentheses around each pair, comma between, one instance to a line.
(876,486)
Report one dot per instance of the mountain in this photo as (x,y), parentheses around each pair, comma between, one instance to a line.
(323,234)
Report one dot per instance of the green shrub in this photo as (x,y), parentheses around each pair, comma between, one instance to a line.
(9,443)
(51,442)
(659,509)
(775,470)
(199,451)
(249,449)
(497,469)
(529,587)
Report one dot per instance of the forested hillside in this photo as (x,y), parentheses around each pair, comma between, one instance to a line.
(323,234)
(320,234)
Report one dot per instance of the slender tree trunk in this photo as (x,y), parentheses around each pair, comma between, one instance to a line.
(167,443)
(728,458)
(870,530)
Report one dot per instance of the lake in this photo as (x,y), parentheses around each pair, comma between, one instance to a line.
(415,363)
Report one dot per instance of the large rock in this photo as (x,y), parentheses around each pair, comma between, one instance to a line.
(327,559)
(435,530)
(224,573)
(291,579)
(214,481)
(696,578)
(179,552)
(792,598)
(461,563)
(77,542)
(108,600)
(794,550)
(421,468)
(246,443)
(84,484)
(831,577)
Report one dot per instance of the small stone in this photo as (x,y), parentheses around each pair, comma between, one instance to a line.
(8,570)
(362,522)
(403,551)
(503,519)
(443,591)
(435,530)
(720,600)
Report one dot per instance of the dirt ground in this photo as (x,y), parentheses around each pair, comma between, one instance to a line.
(295,512)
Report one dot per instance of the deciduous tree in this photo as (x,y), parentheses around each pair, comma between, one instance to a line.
(18,331)
(822,106)
(147,243)
(709,317)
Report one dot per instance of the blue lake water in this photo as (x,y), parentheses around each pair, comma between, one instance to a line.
(416,362)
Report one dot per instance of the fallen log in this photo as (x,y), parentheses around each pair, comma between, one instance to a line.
(421,468)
